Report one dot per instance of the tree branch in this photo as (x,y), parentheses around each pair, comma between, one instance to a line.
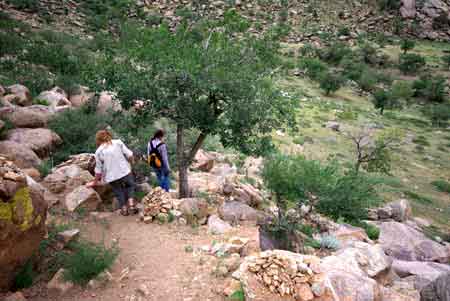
(200,139)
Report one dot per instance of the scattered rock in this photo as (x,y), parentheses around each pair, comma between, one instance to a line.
(156,205)
(35,116)
(58,285)
(335,126)
(194,209)
(83,197)
(144,188)
(18,95)
(56,99)
(107,102)
(41,141)
(231,286)
(22,155)
(399,211)
(405,243)
(143,290)
(101,280)
(217,226)
(348,233)
(17,296)
(68,235)
(423,273)
(203,161)
(437,290)
(81,96)
(236,211)
(408,9)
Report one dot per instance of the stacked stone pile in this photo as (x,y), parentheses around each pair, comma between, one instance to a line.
(287,276)
(11,178)
(156,205)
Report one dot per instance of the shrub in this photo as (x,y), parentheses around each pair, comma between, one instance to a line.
(330,243)
(335,53)
(343,31)
(372,231)
(402,90)
(446,60)
(382,100)
(368,54)
(353,68)
(77,128)
(313,67)
(407,45)
(421,140)
(367,80)
(45,168)
(389,4)
(348,198)
(432,88)
(25,277)
(330,82)
(87,261)
(441,185)
(11,43)
(32,5)
(439,114)
(410,63)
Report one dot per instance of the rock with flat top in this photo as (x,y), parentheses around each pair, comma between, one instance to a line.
(41,141)
(83,197)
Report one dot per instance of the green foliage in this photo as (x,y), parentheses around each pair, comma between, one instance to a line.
(25,277)
(102,14)
(367,80)
(335,53)
(348,197)
(411,63)
(442,21)
(368,53)
(441,185)
(330,82)
(313,67)
(6,127)
(11,43)
(389,4)
(72,125)
(87,261)
(406,45)
(330,243)
(446,60)
(402,90)
(32,5)
(42,102)
(438,113)
(421,199)
(45,168)
(372,231)
(238,295)
(383,99)
(311,242)
(421,140)
(432,88)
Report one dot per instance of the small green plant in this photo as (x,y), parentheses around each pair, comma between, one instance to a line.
(188,249)
(238,295)
(300,140)
(411,63)
(406,45)
(313,67)
(330,82)
(25,277)
(42,102)
(441,185)
(421,199)
(45,168)
(335,53)
(87,261)
(402,90)
(389,4)
(311,242)
(446,60)
(372,231)
(329,243)
(367,80)
(438,113)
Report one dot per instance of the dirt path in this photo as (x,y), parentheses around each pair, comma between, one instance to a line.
(156,256)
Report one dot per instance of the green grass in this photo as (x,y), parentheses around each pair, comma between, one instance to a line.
(419,198)
(441,185)
(87,261)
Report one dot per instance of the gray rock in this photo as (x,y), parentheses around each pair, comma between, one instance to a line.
(56,99)
(41,141)
(35,116)
(58,285)
(218,226)
(421,273)
(405,243)
(236,211)
(437,290)
(82,197)
(335,126)
(408,9)
(22,155)
(18,95)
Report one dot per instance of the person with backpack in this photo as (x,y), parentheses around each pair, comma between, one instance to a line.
(113,166)
(159,159)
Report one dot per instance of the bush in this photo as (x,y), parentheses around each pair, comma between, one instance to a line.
(77,128)
(25,277)
(441,185)
(389,4)
(372,231)
(45,168)
(407,45)
(11,43)
(353,68)
(335,53)
(32,5)
(411,63)
(439,114)
(349,198)
(367,80)
(446,60)
(383,99)
(369,54)
(432,88)
(330,82)
(87,261)
(313,67)
(402,90)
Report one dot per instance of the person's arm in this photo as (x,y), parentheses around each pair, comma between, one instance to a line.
(98,171)
(127,152)
(165,157)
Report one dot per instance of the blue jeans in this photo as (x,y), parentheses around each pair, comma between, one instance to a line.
(163,179)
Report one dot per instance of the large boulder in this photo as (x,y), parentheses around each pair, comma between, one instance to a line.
(81,96)
(41,141)
(18,95)
(195,208)
(82,197)
(437,290)
(35,116)
(234,212)
(22,155)
(247,194)
(84,161)
(56,99)
(218,226)
(66,178)
(399,211)
(406,243)
(346,233)
(22,221)
(420,273)
(408,9)
(107,102)
(203,161)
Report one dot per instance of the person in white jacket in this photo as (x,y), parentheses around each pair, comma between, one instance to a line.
(113,166)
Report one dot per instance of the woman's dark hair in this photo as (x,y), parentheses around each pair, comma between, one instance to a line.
(158,134)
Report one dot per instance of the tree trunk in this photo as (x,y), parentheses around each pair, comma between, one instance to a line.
(381,110)
(183,184)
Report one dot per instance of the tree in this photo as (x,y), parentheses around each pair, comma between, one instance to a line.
(330,82)
(212,77)
(406,45)
(383,99)
(411,63)
(373,154)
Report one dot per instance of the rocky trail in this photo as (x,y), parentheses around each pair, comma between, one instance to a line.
(153,263)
